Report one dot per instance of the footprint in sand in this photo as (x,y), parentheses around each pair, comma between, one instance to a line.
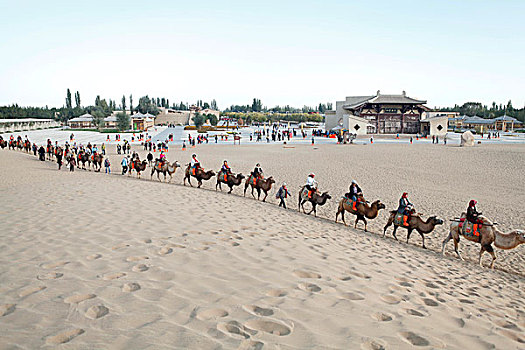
(78,298)
(276,293)
(414,339)
(390,299)
(140,268)
(94,256)
(430,302)
(381,316)
(146,240)
(136,258)
(309,287)
(415,313)
(270,327)
(234,329)
(306,274)
(373,344)
(212,314)
(113,276)
(360,275)
(7,309)
(352,296)
(49,276)
(97,311)
(64,337)
(257,311)
(120,246)
(130,287)
(249,344)
(55,264)
(345,278)
(505,324)
(31,290)
(165,251)
(431,285)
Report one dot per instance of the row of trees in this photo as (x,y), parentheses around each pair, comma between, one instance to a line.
(257,106)
(199,119)
(483,111)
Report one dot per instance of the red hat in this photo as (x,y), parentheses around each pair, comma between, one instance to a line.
(312,175)
(472,203)
(405,194)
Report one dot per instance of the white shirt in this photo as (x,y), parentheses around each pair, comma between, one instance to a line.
(311,182)
(194,161)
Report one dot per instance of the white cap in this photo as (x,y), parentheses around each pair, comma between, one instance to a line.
(354,182)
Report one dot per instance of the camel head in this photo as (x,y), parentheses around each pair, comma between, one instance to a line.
(379,204)
(211,172)
(176,164)
(520,235)
(271,180)
(240,176)
(326,195)
(435,220)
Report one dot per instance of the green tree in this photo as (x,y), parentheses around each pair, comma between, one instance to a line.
(131,104)
(77,99)
(123,121)
(68,100)
(213,119)
(123,101)
(146,105)
(98,118)
(198,120)
(213,105)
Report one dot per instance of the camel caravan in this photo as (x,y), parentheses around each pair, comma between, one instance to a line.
(471,225)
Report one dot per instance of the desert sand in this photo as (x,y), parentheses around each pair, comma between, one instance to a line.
(96,261)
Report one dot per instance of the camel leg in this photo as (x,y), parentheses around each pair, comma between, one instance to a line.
(252,193)
(394,233)
(265,195)
(152,171)
(493,254)
(217,185)
(200,183)
(164,176)
(258,194)
(456,244)
(445,241)
(231,189)
(343,216)
(408,234)
(245,188)
(386,226)
(423,239)
(313,210)
(481,251)
(356,221)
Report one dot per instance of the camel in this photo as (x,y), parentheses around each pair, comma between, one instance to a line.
(414,223)
(27,146)
(231,180)
(3,143)
(83,157)
(12,144)
(489,234)
(96,159)
(19,145)
(138,166)
(316,199)
(363,210)
(167,167)
(200,175)
(261,184)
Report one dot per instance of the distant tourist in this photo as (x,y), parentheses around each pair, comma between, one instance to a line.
(150,158)
(124,164)
(107,165)
(433,139)
(72,163)
(411,139)
(437,139)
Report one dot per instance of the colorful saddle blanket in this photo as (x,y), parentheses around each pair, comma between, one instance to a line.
(467,228)
(306,193)
(193,170)
(351,203)
(224,177)
(399,219)
(253,180)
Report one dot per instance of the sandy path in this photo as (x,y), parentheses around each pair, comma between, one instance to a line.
(95,261)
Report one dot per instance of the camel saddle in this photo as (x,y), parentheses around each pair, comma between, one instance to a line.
(253,180)
(469,229)
(352,203)
(400,219)
(224,176)
(306,193)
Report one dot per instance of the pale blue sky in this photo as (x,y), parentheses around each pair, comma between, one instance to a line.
(283,52)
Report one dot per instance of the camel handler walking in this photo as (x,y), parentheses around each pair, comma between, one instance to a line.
(282,194)
(124,164)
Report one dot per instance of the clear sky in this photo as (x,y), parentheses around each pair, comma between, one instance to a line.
(282,52)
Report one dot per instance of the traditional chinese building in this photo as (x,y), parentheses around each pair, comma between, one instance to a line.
(385,114)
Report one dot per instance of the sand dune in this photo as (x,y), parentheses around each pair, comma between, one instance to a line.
(95,261)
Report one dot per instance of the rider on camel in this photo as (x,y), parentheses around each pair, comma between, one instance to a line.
(311,184)
(226,168)
(355,191)
(194,163)
(257,172)
(162,158)
(473,216)
(404,208)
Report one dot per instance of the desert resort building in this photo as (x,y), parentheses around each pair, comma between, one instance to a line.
(138,121)
(385,114)
(13,125)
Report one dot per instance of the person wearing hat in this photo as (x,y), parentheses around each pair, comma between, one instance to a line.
(257,172)
(311,184)
(282,193)
(472,212)
(404,207)
(355,191)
